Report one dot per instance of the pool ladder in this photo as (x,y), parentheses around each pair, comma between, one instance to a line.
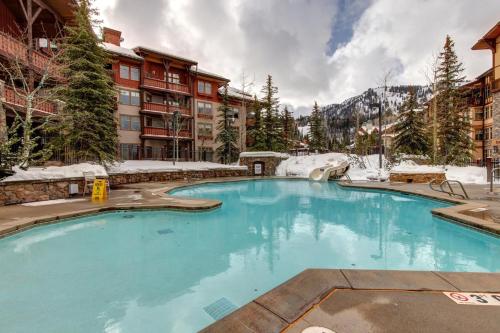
(451,192)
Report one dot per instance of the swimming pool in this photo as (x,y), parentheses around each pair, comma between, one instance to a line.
(166,271)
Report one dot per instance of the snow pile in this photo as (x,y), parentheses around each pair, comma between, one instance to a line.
(304,130)
(55,172)
(159,166)
(301,166)
(467,175)
(366,168)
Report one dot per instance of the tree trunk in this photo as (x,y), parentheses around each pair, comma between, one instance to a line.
(26,144)
(3,117)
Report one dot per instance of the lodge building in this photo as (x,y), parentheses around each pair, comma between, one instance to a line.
(153,86)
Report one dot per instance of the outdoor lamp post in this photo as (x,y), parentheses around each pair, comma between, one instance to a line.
(379,106)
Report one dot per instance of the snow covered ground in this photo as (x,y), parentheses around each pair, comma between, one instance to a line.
(155,166)
(76,170)
(54,172)
(301,166)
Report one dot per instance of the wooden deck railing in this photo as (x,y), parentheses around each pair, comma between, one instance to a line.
(13,99)
(12,48)
(161,84)
(163,132)
(158,107)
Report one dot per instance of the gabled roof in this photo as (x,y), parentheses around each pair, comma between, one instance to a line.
(488,40)
(144,49)
(122,51)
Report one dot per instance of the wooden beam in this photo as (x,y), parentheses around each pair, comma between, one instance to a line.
(21,2)
(38,11)
(49,9)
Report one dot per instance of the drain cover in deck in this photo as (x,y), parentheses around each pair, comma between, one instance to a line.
(220,308)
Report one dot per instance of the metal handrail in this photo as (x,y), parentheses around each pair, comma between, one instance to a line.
(450,192)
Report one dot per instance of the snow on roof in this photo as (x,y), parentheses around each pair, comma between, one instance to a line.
(263,154)
(123,51)
(207,73)
(236,93)
(170,55)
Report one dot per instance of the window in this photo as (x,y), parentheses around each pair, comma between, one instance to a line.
(124,97)
(479,135)
(154,122)
(135,73)
(488,133)
(205,108)
(135,98)
(205,129)
(129,72)
(129,151)
(204,87)
(124,72)
(128,97)
(130,123)
(478,115)
(234,112)
(174,78)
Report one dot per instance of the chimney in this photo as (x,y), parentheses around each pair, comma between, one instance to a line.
(112,36)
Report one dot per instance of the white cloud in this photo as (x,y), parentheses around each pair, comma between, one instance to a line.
(288,39)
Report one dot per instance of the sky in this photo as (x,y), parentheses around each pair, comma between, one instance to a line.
(316,50)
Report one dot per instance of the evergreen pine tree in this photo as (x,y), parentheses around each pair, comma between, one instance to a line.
(272,126)
(411,137)
(317,136)
(288,128)
(87,126)
(258,131)
(454,142)
(228,150)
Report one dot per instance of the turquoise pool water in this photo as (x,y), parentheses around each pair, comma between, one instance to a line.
(161,271)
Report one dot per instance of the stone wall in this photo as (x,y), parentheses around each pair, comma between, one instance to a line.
(130,178)
(407,177)
(268,164)
(17,192)
(28,190)
(496,117)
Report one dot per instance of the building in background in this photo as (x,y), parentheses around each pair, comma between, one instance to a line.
(491,106)
(153,86)
(30,32)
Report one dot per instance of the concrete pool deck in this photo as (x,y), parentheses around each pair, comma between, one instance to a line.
(361,301)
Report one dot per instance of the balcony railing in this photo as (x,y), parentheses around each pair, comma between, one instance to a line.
(163,132)
(158,107)
(12,48)
(14,100)
(161,84)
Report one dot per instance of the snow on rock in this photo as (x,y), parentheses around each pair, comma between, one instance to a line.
(56,172)
(158,166)
(301,166)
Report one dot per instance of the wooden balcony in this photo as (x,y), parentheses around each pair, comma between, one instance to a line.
(164,108)
(165,133)
(11,48)
(42,108)
(163,85)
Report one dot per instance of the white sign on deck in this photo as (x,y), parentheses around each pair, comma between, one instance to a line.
(474,298)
